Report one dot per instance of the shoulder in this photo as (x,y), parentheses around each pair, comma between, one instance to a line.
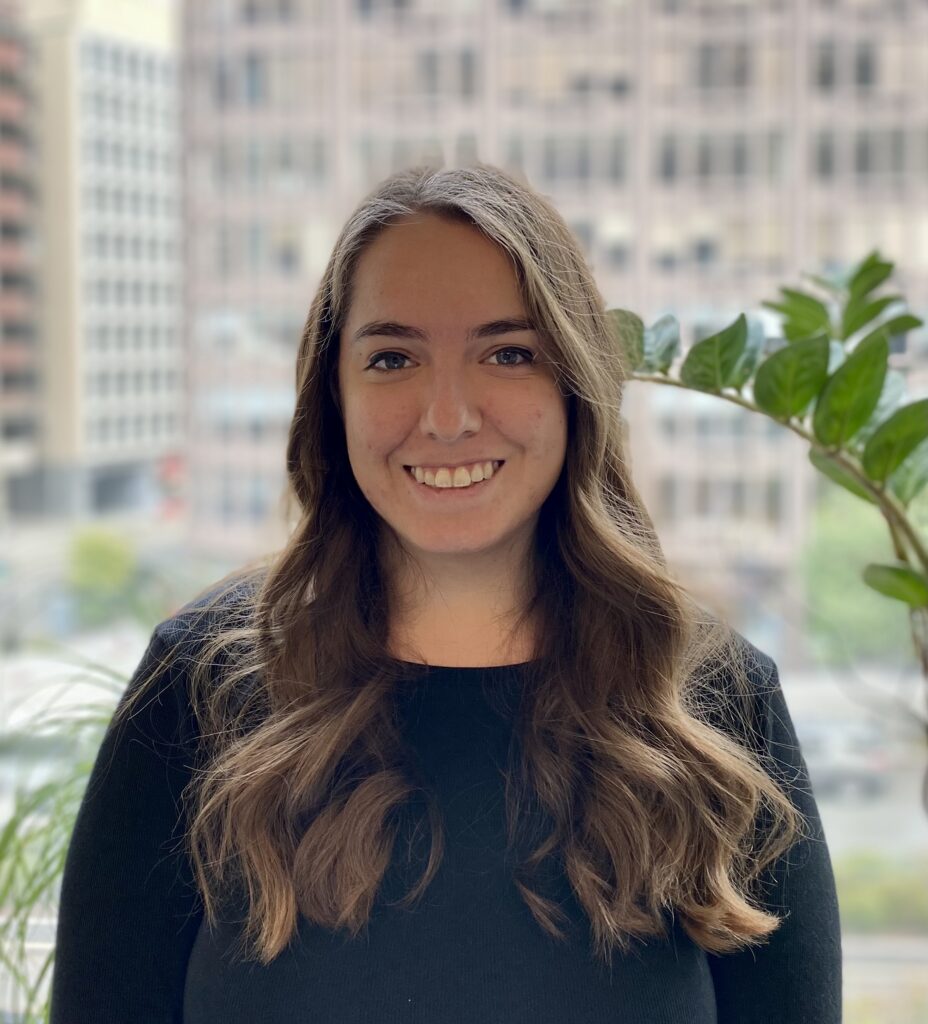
(225,603)
(734,690)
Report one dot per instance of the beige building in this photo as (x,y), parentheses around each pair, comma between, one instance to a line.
(111,283)
(704,153)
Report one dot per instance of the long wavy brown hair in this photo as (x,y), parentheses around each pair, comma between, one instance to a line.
(637,729)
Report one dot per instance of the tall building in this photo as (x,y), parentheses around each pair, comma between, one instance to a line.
(20,412)
(704,152)
(107,124)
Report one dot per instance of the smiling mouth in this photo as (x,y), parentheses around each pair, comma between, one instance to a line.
(498,464)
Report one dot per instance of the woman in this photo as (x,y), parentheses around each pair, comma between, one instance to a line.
(463,750)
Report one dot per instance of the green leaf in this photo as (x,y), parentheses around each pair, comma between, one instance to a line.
(751,355)
(839,475)
(894,439)
(896,325)
(796,323)
(869,278)
(835,285)
(661,343)
(851,393)
(899,581)
(807,308)
(789,379)
(859,312)
(911,477)
(794,331)
(628,330)
(890,398)
(710,364)
(870,260)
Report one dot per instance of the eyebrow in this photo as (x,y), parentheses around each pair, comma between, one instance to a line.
(391,329)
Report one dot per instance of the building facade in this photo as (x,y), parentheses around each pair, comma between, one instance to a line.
(112,249)
(705,153)
(20,373)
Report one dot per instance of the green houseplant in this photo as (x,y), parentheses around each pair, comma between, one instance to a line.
(827,380)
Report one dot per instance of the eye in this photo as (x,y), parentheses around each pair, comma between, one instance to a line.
(526,353)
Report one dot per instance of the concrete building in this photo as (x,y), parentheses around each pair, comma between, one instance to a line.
(20,394)
(111,284)
(704,152)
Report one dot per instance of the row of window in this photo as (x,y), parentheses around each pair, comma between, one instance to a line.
(870,151)
(104,199)
(118,383)
(256,12)
(129,65)
(112,153)
(725,428)
(19,428)
(249,497)
(104,337)
(17,330)
(128,114)
(258,78)
(606,157)
(229,510)
(253,429)
(104,290)
(17,281)
(240,249)
(21,184)
(257,248)
(284,163)
(104,245)
(866,151)
(139,427)
(21,380)
(679,498)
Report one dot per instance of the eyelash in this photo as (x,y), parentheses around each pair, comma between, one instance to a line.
(380,355)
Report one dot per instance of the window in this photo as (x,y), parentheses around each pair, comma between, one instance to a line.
(667,158)
(255,79)
(708,60)
(863,153)
(896,150)
(825,65)
(704,156)
(741,65)
(739,155)
(773,493)
(865,64)
(468,70)
(705,251)
(616,159)
(824,154)
(428,72)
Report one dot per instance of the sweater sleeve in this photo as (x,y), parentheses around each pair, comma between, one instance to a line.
(795,977)
(128,911)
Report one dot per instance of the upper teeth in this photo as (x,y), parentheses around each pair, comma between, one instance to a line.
(462,476)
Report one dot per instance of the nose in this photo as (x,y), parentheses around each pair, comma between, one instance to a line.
(450,407)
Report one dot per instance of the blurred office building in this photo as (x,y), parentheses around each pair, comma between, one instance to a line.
(111,382)
(704,153)
(20,410)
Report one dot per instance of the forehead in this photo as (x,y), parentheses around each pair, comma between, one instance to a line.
(433,264)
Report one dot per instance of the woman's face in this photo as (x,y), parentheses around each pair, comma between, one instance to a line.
(456,393)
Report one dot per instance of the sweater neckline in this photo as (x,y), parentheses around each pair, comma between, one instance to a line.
(422,668)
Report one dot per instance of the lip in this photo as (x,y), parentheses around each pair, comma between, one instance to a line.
(470,493)
(450,465)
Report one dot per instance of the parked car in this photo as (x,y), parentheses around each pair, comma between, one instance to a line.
(845,758)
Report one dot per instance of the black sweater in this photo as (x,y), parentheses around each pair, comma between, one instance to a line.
(133,947)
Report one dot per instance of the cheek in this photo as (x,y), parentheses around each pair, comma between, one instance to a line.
(378,431)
